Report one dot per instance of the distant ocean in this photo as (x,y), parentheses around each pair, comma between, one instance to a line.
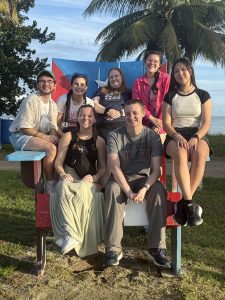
(217,125)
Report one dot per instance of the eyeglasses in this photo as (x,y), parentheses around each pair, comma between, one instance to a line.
(46,81)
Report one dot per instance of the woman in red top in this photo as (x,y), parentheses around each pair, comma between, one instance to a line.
(151,89)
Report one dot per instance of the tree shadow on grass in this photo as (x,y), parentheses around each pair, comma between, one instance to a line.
(214,275)
(24,265)
(17,226)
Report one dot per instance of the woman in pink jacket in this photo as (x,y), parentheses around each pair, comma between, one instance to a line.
(151,89)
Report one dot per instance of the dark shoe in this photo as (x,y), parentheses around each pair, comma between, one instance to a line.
(112,258)
(180,215)
(194,213)
(159,257)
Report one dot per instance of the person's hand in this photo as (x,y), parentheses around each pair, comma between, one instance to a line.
(181,141)
(130,195)
(50,138)
(54,139)
(89,178)
(140,195)
(193,142)
(156,129)
(64,176)
(113,113)
(155,121)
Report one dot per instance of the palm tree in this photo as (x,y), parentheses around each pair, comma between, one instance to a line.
(189,28)
(8,9)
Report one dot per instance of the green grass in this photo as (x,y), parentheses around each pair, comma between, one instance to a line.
(203,256)
(217,142)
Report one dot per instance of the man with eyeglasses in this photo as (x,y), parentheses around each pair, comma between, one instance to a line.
(35,125)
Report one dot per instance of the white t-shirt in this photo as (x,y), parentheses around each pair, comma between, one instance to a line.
(44,125)
(72,116)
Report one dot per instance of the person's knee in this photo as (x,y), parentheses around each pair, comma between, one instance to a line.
(158,192)
(112,186)
(200,156)
(114,193)
(51,150)
(178,154)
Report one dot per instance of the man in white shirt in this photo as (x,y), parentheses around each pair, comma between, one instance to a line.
(35,125)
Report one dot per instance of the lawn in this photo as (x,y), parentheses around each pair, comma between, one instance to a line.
(69,277)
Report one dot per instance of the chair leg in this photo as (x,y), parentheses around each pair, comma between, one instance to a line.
(176,249)
(41,251)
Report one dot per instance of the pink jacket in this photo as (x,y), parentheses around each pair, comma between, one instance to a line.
(140,90)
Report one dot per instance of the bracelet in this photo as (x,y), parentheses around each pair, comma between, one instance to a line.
(147,186)
(196,136)
(174,134)
(106,110)
(36,133)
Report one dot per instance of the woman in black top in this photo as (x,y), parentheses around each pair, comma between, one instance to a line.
(77,206)
(186,119)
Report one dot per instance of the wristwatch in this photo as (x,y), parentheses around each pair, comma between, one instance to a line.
(196,136)
(147,186)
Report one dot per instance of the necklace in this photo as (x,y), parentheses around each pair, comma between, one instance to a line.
(187,91)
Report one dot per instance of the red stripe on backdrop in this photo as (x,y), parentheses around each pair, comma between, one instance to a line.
(164,68)
(62,82)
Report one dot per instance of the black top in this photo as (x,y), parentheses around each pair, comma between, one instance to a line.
(84,147)
(115,101)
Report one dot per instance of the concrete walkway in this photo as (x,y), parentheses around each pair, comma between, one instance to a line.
(214,168)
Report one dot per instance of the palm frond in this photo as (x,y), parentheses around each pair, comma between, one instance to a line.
(131,35)
(115,7)
(168,40)
(210,44)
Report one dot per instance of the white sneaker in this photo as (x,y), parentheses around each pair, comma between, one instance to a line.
(69,244)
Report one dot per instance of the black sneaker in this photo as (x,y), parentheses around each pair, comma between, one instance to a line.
(159,257)
(180,215)
(112,258)
(194,213)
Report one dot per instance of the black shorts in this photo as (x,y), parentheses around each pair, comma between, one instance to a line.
(187,133)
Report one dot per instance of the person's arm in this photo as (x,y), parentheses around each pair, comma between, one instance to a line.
(37,134)
(206,122)
(135,90)
(61,155)
(100,109)
(154,176)
(101,147)
(114,163)
(206,118)
(167,125)
(59,122)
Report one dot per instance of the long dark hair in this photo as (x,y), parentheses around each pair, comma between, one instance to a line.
(174,86)
(95,134)
(121,89)
(69,94)
(159,54)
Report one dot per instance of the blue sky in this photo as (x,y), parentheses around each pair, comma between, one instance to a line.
(75,36)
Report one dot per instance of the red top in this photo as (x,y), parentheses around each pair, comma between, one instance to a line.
(140,90)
